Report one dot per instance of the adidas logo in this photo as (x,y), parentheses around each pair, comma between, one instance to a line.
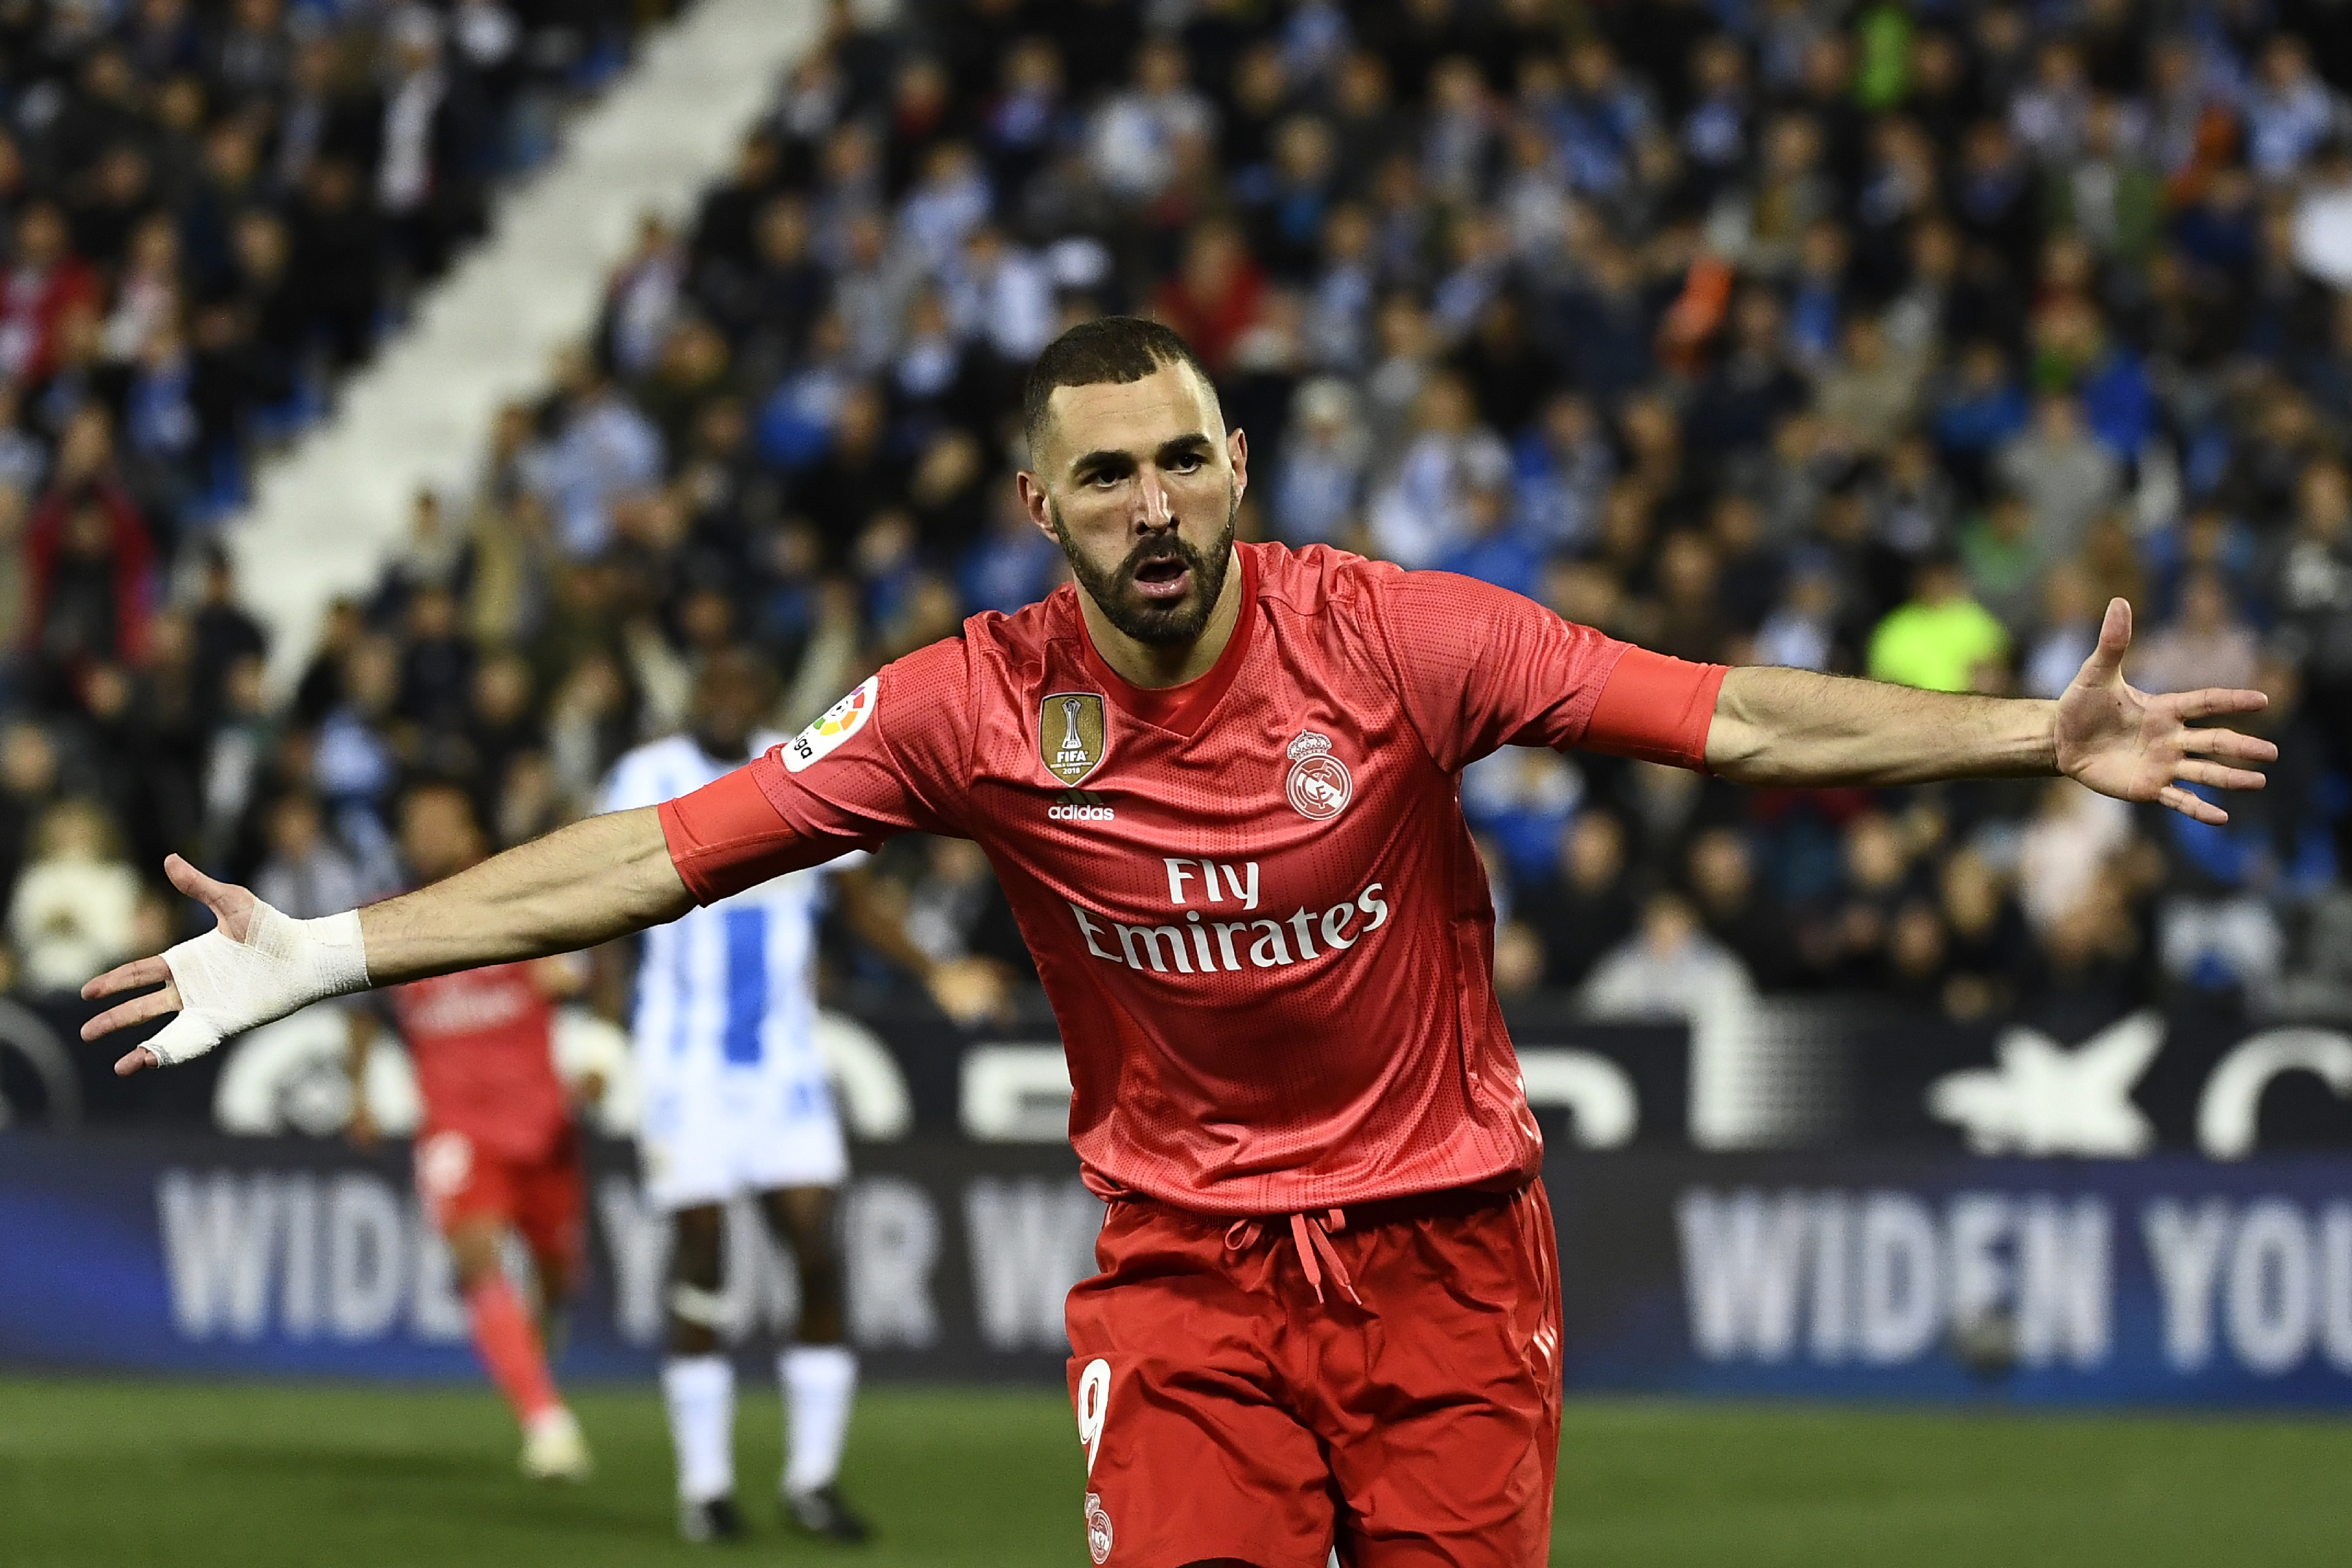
(1078,805)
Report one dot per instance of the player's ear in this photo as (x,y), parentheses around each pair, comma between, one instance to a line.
(1034,501)
(1237,449)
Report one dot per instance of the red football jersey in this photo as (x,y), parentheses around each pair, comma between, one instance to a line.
(482,1043)
(1253,902)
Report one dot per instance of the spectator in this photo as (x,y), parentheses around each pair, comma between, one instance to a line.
(1606,325)
(1869,394)
(2004,564)
(429,171)
(306,876)
(857,479)
(605,452)
(1421,511)
(641,302)
(336,276)
(1942,640)
(1001,292)
(1690,623)
(1669,969)
(955,910)
(28,786)
(1849,939)
(1318,486)
(1521,801)
(2066,476)
(70,916)
(2111,194)
(2205,645)
(1134,137)
(1029,117)
(2065,850)
(1013,564)
(434,555)
(2070,629)
(1985,937)
(1584,905)
(1752,388)
(44,283)
(242,736)
(89,560)
(1715,131)
(1217,296)
(2290,111)
(1982,409)
(1561,469)
(1721,873)
(2311,585)
(1801,631)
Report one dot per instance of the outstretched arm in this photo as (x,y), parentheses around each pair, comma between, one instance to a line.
(602,877)
(581,885)
(1790,727)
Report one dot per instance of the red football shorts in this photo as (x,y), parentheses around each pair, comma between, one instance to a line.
(544,1199)
(1226,1412)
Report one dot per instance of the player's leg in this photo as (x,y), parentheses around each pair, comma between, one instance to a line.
(1440,1397)
(690,1152)
(698,1380)
(796,1158)
(471,1197)
(1193,1455)
(551,1210)
(509,1343)
(818,1370)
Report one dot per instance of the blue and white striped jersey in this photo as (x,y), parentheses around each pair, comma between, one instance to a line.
(729,986)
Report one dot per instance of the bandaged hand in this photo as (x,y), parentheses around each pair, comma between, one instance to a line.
(256,966)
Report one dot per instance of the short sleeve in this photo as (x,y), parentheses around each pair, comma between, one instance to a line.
(888,758)
(1481,668)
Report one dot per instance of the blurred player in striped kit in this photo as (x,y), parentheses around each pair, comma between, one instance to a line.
(737,1103)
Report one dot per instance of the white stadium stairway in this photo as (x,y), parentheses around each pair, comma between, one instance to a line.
(327,512)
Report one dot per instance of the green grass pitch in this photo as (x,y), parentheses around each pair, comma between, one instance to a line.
(122,1475)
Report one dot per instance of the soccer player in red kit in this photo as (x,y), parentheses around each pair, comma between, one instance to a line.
(1218,782)
(497,1152)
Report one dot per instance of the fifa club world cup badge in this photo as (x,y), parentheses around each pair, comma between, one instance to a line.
(1071,734)
(1097,1529)
(1320,785)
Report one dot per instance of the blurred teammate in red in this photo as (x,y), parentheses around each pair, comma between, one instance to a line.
(497,1152)
(1219,782)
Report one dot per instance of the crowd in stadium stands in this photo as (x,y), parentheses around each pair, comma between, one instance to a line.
(1885,338)
(209,210)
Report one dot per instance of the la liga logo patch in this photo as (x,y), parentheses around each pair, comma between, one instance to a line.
(1320,785)
(834,726)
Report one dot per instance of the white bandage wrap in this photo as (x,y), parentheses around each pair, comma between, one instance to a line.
(694,1304)
(282,966)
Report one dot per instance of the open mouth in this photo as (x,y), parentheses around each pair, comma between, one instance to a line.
(1163,578)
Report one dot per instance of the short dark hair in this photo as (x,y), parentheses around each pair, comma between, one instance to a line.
(1117,349)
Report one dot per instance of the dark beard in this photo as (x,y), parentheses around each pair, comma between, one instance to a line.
(1160,625)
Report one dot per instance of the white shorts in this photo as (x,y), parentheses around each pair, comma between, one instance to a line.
(721,1135)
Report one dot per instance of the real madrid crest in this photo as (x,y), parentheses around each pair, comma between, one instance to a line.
(1099,1531)
(1071,734)
(1318,787)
